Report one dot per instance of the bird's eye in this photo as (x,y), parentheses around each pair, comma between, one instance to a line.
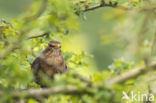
(51,45)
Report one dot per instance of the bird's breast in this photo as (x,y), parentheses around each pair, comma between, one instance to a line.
(47,69)
(51,59)
(51,65)
(55,60)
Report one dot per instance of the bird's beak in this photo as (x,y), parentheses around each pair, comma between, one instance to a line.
(58,46)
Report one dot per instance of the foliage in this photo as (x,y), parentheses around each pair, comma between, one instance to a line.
(23,39)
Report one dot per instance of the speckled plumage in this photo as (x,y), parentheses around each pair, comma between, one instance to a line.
(49,62)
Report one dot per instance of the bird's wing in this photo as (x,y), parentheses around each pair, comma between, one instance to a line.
(35,68)
(35,65)
(64,65)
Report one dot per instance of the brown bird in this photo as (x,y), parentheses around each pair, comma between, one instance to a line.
(49,62)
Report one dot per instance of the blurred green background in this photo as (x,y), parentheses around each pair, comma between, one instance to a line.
(92,26)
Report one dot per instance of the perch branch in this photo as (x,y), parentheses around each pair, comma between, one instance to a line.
(131,74)
(38,92)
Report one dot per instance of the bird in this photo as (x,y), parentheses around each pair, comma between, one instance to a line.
(49,62)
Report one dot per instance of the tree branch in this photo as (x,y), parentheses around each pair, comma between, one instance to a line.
(36,36)
(103,4)
(131,74)
(38,92)
(71,89)
(46,91)
(113,5)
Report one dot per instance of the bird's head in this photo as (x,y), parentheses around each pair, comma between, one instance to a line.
(53,49)
(54,44)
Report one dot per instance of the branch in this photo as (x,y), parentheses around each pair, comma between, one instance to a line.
(45,91)
(74,90)
(38,92)
(113,5)
(131,74)
(36,36)
(103,4)
(15,45)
